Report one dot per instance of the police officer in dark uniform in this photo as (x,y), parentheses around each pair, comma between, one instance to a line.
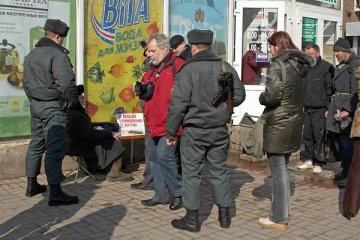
(49,84)
(205,139)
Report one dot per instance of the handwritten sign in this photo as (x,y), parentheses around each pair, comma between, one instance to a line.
(131,123)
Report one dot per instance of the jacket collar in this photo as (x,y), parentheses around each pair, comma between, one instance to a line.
(295,54)
(206,55)
(47,42)
(354,61)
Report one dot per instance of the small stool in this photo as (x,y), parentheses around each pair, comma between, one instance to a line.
(79,166)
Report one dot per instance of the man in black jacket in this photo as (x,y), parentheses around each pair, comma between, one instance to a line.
(179,47)
(49,84)
(317,98)
(342,107)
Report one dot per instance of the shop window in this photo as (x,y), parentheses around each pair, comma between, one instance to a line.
(258,25)
(329,40)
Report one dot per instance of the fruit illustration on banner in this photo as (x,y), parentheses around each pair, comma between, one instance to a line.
(152,28)
(91,108)
(127,94)
(107,96)
(130,59)
(119,110)
(95,73)
(116,70)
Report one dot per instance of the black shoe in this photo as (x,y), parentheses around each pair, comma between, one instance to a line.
(139,186)
(341,175)
(150,203)
(348,216)
(224,217)
(33,187)
(58,197)
(176,203)
(190,222)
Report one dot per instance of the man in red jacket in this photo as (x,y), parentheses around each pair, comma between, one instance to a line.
(156,87)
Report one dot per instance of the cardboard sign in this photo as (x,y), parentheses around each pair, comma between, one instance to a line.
(131,123)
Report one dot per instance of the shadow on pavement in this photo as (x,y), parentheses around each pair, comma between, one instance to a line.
(36,221)
(96,225)
(264,191)
(237,181)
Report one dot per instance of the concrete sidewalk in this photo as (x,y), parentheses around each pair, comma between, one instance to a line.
(110,210)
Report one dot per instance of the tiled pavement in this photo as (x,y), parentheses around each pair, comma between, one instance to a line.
(110,210)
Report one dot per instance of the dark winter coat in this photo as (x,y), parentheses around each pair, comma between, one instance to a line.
(195,88)
(319,85)
(355,129)
(284,100)
(98,147)
(345,94)
(48,73)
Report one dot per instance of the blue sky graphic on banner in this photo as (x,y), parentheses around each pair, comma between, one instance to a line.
(201,14)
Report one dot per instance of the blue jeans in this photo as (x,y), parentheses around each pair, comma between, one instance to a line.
(164,169)
(280,198)
(148,179)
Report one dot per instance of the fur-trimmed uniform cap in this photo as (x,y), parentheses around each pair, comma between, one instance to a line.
(176,40)
(56,26)
(197,36)
(342,45)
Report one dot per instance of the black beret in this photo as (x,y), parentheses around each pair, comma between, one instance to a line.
(56,26)
(342,45)
(197,36)
(176,40)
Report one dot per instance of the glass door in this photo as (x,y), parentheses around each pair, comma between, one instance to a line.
(255,22)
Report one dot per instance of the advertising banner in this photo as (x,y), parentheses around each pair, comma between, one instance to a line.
(186,15)
(21,26)
(113,54)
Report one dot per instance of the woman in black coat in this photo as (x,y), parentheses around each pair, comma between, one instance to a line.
(283,99)
(100,148)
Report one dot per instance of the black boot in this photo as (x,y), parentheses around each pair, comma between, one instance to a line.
(342,175)
(33,187)
(58,197)
(224,217)
(189,223)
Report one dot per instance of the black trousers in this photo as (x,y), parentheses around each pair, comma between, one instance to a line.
(314,120)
